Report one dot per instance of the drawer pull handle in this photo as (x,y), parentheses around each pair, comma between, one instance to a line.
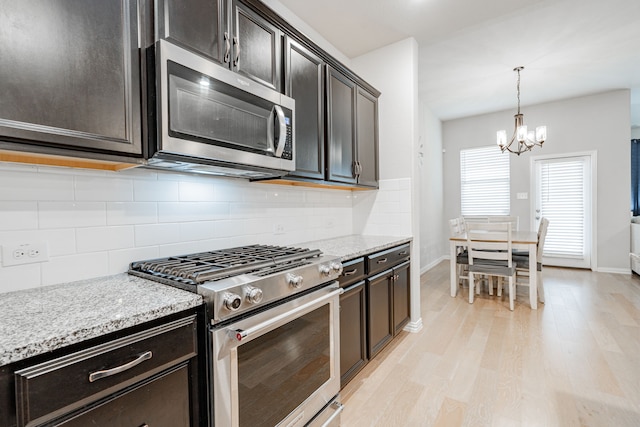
(382,261)
(350,272)
(95,376)
(403,253)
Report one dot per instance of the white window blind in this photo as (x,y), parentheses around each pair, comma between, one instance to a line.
(484,182)
(563,203)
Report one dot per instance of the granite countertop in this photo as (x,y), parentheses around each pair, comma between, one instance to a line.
(350,247)
(39,320)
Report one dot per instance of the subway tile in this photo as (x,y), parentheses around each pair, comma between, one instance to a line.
(18,215)
(139,173)
(125,213)
(198,230)
(21,167)
(35,186)
(71,214)
(103,189)
(65,170)
(229,191)
(74,267)
(155,191)
(191,211)
(156,234)
(19,277)
(61,241)
(93,239)
(191,191)
(119,260)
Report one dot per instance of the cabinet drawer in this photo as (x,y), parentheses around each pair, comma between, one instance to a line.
(352,271)
(58,386)
(388,258)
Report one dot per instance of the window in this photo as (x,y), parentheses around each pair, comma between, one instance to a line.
(484,182)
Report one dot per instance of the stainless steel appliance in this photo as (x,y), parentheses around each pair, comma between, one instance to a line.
(274,331)
(210,119)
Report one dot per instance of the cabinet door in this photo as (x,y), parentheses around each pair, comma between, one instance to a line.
(198,25)
(367,138)
(70,74)
(379,316)
(256,47)
(305,83)
(401,297)
(163,401)
(353,332)
(341,111)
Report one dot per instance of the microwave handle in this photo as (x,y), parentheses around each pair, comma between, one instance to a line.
(282,137)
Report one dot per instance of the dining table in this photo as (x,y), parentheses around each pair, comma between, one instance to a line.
(521,240)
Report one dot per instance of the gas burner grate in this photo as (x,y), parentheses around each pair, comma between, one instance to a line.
(215,265)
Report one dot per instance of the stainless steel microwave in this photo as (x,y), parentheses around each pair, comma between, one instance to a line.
(206,118)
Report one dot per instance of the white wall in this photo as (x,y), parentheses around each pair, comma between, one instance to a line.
(393,70)
(432,234)
(96,222)
(592,123)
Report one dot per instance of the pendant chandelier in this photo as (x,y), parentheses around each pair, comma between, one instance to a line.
(522,139)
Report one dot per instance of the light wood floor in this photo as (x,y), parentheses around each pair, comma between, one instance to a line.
(573,362)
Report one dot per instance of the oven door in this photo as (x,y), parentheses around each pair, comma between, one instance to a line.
(279,367)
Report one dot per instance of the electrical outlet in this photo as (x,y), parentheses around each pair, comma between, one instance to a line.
(24,253)
(278,228)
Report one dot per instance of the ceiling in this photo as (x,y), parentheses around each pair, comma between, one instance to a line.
(468,48)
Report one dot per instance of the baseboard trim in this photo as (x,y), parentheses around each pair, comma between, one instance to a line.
(614,270)
(433,264)
(414,327)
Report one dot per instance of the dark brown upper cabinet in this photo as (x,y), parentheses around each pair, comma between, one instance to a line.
(352,131)
(70,75)
(198,25)
(229,32)
(256,46)
(341,127)
(304,82)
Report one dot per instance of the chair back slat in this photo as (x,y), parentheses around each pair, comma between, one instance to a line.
(542,235)
(489,242)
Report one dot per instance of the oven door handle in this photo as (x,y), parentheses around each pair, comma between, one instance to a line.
(239,335)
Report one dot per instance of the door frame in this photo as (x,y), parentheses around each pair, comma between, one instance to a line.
(593,155)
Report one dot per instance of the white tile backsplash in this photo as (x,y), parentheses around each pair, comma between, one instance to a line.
(97,222)
(71,214)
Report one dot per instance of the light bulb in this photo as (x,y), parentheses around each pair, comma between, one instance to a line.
(541,133)
(521,133)
(502,138)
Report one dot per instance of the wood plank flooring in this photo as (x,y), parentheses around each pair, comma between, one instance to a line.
(573,362)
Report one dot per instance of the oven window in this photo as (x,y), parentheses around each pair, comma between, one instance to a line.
(279,370)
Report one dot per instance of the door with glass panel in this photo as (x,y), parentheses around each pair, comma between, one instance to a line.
(563,194)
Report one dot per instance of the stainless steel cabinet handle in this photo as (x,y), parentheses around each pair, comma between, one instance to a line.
(403,253)
(236,43)
(95,376)
(350,272)
(227,47)
(381,261)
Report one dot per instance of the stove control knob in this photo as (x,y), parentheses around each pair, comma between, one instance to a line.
(295,281)
(325,270)
(336,267)
(231,301)
(254,295)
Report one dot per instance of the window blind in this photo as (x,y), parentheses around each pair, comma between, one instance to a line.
(563,203)
(484,182)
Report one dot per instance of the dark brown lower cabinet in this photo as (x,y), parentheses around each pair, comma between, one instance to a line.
(145,375)
(380,320)
(162,401)
(401,297)
(353,331)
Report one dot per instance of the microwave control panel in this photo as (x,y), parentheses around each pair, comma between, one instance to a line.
(287,153)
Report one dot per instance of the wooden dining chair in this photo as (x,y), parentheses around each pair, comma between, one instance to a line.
(489,246)
(514,220)
(522,260)
(456,227)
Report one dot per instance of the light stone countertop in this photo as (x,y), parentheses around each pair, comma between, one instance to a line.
(350,247)
(39,320)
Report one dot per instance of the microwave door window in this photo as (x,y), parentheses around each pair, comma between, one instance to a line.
(207,114)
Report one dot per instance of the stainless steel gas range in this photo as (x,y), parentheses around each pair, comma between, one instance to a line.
(273,316)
